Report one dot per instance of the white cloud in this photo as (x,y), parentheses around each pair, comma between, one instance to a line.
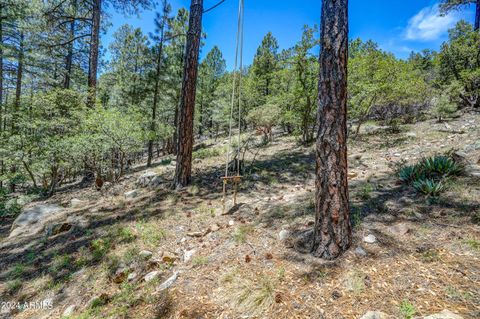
(429,25)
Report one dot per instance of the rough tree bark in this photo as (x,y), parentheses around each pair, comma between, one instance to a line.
(1,87)
(183,170)
(94,48)
(332,232)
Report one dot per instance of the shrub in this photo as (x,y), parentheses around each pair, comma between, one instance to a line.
(440,166)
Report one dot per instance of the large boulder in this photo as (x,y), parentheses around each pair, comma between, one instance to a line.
(33,220)
(148,179)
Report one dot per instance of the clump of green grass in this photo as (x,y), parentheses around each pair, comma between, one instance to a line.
(18,271)
(208,152)
(241,233)
(256,296)
(150,234)
(124,234)
(199,261)
(407,310)
(14,286)
(100,247)
(473,243)
(366,191)
(60,262)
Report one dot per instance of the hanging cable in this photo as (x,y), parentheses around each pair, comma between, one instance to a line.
(238,51)
(240,90)
(213,7)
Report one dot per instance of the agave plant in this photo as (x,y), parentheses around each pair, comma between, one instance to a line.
(429,187)
(408,174)
(440,166)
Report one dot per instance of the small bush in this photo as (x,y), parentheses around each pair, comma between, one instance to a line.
(407,310)
(440,166)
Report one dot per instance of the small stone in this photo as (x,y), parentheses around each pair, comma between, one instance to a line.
(132,276)
(375,315)
(370,239)
(214,228)
(145,254)
(99,300)
(360,252)
(151,276)
(188,254)
(131,194)
(283,234)
(399,229)
(69,311)
(411,134)
(231,223)
(445,314)
(167,283)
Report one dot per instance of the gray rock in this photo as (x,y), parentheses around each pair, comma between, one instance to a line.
(132,194)
(188,254)
(370,239)
(156,181)
(33,220)
(151,276)
(411,134)
(360,252)
(145,254)
(375,315)
(445,314)
(145,178)
(69,311)
(473,170)
(400,229)
(167,283)
(132,276)
(283,234)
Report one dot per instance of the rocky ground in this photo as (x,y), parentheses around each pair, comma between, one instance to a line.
(140,250)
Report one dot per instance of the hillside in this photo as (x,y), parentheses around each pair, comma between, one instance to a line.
(129,251)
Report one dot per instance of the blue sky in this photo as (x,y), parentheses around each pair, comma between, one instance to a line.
(399,26)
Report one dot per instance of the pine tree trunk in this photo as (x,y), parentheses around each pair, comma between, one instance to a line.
(155,95)
(94,48)
(1,88)
(18,86)
(69,58)
(477,16)
(332,233)
(183,170)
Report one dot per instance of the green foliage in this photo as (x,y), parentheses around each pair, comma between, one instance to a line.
(429,186)
(264,118)
(459,66)
(407,310)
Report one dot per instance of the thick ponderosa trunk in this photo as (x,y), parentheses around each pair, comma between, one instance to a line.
(332,233)
(183,170)
(94,48)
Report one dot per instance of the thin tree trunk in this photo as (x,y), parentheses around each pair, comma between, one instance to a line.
(18,87)
(157,86)
(69,59)
(332,232)
(183,170)
(94,49)
(477,16)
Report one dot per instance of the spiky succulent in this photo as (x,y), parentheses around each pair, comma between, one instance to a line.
(429,187)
